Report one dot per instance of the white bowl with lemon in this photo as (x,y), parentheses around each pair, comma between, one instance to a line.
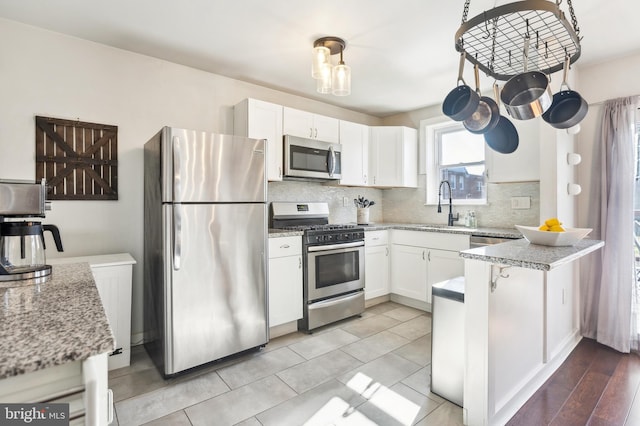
(552,233)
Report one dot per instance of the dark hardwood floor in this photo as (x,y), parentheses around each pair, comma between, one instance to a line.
(596,385)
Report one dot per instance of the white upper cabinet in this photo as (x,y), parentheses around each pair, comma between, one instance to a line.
(308,125)
(262,120)
(393,156)
(523,164)
(354,139)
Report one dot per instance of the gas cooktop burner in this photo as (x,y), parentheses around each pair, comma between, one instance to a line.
(326,227)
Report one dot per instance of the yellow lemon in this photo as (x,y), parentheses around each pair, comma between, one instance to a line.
(543,228)
(556,228)
(553,221)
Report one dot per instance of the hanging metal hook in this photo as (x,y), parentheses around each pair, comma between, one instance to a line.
(546,50)
(486,26)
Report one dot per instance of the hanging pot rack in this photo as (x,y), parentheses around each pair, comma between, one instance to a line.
(493,40)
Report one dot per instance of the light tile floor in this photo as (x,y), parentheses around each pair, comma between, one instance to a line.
(368,370)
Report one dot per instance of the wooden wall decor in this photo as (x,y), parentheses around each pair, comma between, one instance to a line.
(79,160)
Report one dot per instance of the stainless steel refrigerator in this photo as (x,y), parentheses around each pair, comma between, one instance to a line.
(205,245)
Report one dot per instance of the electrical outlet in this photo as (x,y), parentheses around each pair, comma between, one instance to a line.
(520,203)
(345,201)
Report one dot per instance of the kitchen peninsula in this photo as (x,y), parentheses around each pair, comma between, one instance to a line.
(54,343)
(522,321)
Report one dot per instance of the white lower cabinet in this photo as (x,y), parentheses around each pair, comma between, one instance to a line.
(421,259)
(409,271)
(285,280)
(113,276)
(376,264)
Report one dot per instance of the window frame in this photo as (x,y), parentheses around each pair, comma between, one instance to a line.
(431,130)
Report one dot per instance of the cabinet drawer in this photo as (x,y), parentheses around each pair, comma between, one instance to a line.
(437,240)
(376,238)
(285,246)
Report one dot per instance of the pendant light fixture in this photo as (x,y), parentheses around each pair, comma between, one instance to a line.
(330,79)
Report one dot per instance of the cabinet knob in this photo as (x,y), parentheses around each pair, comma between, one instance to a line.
(285,246)
(386,251)
(310,132)
(299,263)
(423,255)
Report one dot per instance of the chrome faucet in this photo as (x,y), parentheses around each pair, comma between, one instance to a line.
(451,217)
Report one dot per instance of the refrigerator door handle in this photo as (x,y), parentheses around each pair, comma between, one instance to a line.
(177,236)
(175,149)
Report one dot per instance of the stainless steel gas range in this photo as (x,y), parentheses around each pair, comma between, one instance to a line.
(333,262)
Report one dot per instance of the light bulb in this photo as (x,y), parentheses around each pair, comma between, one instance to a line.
(323,84)
(321,56)
(341,81)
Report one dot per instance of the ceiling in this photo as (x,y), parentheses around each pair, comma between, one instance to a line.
(401,52)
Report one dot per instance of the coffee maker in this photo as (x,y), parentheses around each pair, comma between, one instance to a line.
(22,242)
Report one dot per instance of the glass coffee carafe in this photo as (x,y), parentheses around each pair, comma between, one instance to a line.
(22,249)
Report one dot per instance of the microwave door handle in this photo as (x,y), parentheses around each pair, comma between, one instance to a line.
(331,162)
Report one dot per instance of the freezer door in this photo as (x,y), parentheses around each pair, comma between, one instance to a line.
(205,167)
(215,295)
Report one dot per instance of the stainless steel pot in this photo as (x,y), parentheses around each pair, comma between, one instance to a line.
(486,115)
(527,95)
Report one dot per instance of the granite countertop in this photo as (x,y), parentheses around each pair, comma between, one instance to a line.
(53,322)
(275,233)
(485,232)
(523,254)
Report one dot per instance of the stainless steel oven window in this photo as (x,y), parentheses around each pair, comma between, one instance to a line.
(327,277)
(337,268)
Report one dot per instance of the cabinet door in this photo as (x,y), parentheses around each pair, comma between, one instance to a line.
(285,289)
(409,271)
(297,123)
(326,128)
(393,153)
(376,275)
(114,287)
(354,139)
(262,120)
(307,125)
(385,156)
(443,265)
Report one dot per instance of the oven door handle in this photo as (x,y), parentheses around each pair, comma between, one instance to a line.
(335,246)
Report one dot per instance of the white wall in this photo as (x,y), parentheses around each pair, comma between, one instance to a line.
(44,73)
(599,83)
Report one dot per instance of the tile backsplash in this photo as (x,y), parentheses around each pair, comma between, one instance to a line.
(406,205)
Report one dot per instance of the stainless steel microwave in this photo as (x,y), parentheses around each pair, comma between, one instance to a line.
(310,158)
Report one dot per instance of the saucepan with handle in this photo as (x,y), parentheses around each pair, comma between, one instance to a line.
(462,101)
(526,95)
(568,107)
(487,113)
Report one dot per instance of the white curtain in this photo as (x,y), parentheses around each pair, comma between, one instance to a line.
(609,280)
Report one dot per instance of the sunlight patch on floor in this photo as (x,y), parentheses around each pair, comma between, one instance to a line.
(339,412)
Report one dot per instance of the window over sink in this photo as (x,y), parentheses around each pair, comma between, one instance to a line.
(458,156)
